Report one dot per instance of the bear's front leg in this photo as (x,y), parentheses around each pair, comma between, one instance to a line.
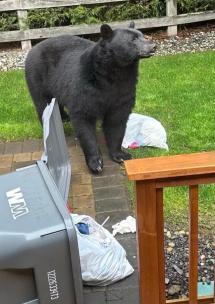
(114,130)
(86,134)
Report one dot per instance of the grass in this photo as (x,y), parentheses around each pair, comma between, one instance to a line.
(18,118)
(177,90)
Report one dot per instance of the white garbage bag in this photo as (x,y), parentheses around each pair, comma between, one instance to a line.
(103,259)
(143,131)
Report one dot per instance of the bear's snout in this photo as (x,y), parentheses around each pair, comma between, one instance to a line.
(153,47)
(147,48)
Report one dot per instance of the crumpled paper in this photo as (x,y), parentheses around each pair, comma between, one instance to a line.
(125,226)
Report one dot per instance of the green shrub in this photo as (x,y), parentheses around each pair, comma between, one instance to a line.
(63,16)
(191,6)
(105,13)
(187,6)
(8,22)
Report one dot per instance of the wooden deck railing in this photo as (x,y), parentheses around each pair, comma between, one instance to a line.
(151,175)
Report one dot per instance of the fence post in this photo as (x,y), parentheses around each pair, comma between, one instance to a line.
(171,10)
(22,17)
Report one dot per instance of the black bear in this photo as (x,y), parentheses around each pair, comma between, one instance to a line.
(93,81)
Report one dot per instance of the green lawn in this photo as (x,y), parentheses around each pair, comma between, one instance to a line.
(18,118)
(177,90)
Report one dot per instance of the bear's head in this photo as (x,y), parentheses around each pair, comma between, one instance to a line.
(125,45)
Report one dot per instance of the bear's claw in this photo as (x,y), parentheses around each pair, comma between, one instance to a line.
(95,164)
(120,156)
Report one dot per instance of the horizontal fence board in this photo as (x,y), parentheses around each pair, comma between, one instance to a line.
(85,29)
(11,36)
(13,5)
(9,5)
(194,17)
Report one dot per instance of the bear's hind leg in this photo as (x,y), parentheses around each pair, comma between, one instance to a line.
(41,102)
(64,115)
(39,96)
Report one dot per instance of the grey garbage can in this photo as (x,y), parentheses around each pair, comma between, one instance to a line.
(39,259)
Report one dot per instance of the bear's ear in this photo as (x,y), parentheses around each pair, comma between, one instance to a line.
(106,31)
(132,24)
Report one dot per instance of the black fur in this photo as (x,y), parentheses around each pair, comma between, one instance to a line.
(94,81)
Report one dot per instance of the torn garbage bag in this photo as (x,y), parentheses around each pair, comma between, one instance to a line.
(103,259)
(143,131)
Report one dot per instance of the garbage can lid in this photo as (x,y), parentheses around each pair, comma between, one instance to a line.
(55,148)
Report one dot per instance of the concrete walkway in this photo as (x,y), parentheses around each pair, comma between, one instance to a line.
(98,196)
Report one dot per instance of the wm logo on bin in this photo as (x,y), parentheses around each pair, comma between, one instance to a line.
(17,203)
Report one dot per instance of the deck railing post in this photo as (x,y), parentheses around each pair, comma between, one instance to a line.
(150,236)
(193,244)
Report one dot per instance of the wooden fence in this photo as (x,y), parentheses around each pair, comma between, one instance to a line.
(25,35)
(151,176)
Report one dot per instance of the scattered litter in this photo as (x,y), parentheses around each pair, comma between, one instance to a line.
(125,226)
(69,207)
(105,221)
(205,289)
(103,259)
(143,131)
(83,228)
(179,270)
